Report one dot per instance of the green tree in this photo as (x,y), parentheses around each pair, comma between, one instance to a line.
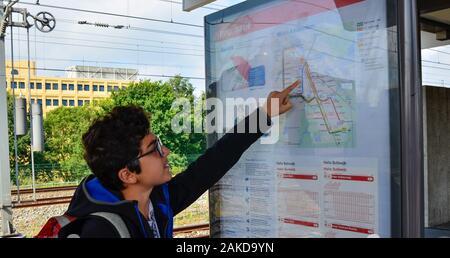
(156,97)
(64,128)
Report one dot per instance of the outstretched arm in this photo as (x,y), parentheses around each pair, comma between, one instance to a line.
(202,174)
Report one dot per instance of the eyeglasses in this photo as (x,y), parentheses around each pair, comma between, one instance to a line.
(158,148)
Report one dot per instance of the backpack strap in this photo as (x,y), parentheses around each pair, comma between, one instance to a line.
(54,225)
(116,221)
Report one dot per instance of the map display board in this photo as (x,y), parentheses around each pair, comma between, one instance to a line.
(329,173)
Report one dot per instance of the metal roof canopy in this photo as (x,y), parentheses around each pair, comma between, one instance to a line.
(189,5)
(435,18)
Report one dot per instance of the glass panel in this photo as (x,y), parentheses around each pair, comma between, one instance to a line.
(325,169)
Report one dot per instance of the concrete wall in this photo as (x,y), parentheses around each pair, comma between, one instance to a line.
(438,154)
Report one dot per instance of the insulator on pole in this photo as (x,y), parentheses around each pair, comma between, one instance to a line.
(37,127)
(21,116)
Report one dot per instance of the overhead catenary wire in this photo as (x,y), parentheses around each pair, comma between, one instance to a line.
(108,62)
(117,48)
(114,14)
(128,38)
(142,29)
(438,51)
(105,72)
(121,43)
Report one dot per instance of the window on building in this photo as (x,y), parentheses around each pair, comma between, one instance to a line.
(95,87)
(21,85)
(86,87)
(48,102)
(87,102)
(64,86)
(80,103)
(14,85)
(109,88)
(80,87)
(39,86)
(39,101)
(32,85)
(48,86)
(55,86)
(64,102)
(33,101)
(71,87)
(71,102)
(102,88)
(55,102)
(116,88)
(124,88)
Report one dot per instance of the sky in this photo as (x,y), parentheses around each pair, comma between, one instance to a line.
(179,49)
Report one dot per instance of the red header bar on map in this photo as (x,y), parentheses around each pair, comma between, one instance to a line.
(276,15)
(352,178)
(301,177)
(352,229)
(303,223)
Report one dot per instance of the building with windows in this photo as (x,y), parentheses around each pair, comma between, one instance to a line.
(70,91)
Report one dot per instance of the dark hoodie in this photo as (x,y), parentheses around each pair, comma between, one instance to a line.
(168,200)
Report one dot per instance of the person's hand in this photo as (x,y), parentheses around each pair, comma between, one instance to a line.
(284,104)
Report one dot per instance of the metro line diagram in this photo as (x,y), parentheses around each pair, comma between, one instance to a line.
(323,107)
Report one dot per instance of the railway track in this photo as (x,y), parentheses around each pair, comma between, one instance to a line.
(42,202)
(45,190)
(191,228)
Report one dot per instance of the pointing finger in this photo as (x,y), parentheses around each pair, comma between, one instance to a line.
(288,90)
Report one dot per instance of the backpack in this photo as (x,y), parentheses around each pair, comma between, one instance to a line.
(53,226)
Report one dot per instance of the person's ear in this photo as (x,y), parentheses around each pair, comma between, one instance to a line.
(127,177)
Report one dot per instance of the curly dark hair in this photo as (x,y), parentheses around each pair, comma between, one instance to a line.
(113,140)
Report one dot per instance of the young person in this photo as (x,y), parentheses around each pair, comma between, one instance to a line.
(132,179)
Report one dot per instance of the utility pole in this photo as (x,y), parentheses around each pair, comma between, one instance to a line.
(5,191)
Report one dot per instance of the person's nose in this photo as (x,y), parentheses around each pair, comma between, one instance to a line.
(166,151)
